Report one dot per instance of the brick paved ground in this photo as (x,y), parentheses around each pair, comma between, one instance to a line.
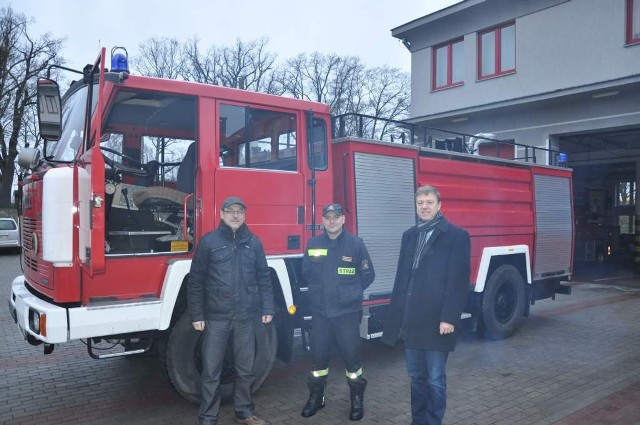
(576,361)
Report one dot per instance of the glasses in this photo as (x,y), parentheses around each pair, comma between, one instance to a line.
(234,212)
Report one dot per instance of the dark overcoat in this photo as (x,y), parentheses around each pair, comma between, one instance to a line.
(439,291)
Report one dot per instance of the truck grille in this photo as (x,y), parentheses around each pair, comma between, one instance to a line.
(33,260)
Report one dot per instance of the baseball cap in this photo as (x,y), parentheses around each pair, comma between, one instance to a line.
(231,200)
(332,208)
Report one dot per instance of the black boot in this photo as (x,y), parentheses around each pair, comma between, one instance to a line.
(316,395)
(356,387)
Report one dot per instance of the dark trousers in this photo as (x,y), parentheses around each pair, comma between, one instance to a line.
(344,331)
(428,385)
(214,343)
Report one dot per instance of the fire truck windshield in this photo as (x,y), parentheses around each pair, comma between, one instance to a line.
(73,118)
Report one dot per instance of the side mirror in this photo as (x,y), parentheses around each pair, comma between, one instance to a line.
(49,109)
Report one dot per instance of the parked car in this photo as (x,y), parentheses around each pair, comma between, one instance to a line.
(9,235)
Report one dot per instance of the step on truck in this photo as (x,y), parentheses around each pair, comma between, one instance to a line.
(133,172)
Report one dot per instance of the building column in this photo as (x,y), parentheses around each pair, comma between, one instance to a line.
(636,257)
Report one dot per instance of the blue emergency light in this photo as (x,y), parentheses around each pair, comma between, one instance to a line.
(562,158)
(119,60)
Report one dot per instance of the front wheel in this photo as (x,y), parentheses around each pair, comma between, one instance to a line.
(183,362)
(503,303)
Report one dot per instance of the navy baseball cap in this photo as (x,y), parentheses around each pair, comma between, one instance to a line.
(332,208)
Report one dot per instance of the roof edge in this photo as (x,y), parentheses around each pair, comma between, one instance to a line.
(400,31)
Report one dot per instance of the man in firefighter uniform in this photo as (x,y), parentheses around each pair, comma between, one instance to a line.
(337,269)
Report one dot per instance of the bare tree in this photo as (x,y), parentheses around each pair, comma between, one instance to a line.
(243,65)
(22,59)
(199,67)
(388,92)
(347,86)
(323,78)
(272,82)
(160,57)
(246,65)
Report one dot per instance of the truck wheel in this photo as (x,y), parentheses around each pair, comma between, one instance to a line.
(183,362)
(503,303)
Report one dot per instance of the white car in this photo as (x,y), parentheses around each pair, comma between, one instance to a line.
(9,235)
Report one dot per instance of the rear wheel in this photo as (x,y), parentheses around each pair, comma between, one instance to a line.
(180,355)
(503,302)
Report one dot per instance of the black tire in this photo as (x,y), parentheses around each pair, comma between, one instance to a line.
(182,360)
(503,303)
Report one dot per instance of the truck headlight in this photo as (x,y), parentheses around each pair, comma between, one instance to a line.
(38,322)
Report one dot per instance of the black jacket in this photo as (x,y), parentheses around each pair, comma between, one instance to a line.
(337,272)
(439,291)
(229,277)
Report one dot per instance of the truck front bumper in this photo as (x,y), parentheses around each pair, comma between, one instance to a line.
(40,320)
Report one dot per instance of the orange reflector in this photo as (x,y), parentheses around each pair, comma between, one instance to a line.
(43,324)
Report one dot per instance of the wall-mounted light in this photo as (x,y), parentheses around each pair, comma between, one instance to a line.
(460,119)
(406,43)
(609,93)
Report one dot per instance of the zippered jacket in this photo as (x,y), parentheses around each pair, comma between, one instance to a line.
(229,277)
(337,272)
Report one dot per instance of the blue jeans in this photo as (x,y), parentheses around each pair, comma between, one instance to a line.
(428,385)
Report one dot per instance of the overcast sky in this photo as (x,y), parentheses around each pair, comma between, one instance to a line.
(347,27)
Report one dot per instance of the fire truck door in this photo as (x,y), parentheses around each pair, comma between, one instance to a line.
(318,175)
(90,187)
(274,204)
(91,206)
(261,162)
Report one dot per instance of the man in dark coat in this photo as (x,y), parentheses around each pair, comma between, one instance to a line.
(429,294)
(229,287)
(337,268)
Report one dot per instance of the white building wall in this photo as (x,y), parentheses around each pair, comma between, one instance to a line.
(566,45)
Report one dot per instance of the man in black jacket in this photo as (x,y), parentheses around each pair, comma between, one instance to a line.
(429,293)
(229,286)
(337,268)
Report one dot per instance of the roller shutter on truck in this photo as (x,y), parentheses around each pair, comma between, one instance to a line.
(554,226)
(385,187)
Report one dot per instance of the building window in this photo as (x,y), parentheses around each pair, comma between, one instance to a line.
(497,51)
(627,224)
(633,21)
(448,65)
(625,193)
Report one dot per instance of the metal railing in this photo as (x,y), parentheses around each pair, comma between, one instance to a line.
(392,131)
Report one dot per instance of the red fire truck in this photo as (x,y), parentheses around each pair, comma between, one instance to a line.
(134,171)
